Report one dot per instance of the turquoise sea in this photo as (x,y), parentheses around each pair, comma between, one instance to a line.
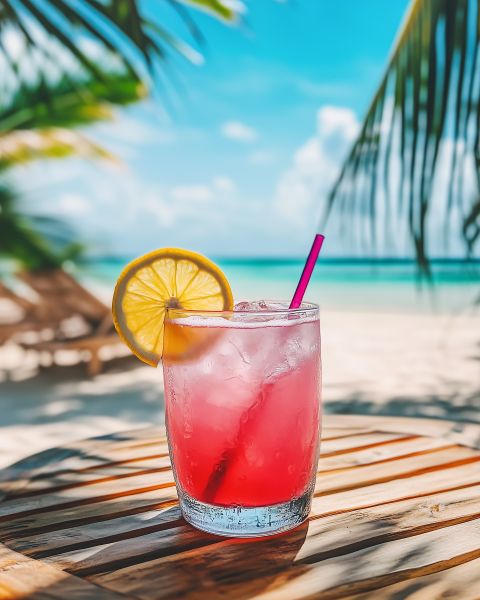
(385,285)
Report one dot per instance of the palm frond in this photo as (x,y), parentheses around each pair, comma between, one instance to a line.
(68,102)
(20,239)
(117,27)
(37,121)
(35,124)
(21,147)
(427,95)
(214,7)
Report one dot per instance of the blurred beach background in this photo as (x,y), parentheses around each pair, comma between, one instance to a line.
(234,154)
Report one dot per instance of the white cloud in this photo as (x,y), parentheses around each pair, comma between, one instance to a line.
(192,193)
(316,164)
(154,202)
(147,216)
(261,157)
(134,131)
(235,130)
(302,190)
(224,184)
(73,204)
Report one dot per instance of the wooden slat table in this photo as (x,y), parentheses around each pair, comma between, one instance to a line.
(396,514)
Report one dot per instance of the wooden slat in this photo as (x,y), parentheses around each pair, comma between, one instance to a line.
(342,533)
(384,564)
(456,583)
(326,537)
(329,482)
(381,453)
(85,514)
(395,490)
(330,433)
(17,476)
(66,540)
(99,456)
(72,479)
(21,577)
(225,570)
(75,497)
(464,434)
(78,454)
(115,555)
(133,458)
(354,442)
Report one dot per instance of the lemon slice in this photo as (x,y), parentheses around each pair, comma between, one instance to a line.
(166,278)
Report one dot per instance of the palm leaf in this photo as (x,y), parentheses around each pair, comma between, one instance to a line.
(117,26)
(68,102)
(35,124)
(20,239)
(215,8)
(37,121)
(428,83)
(21,147)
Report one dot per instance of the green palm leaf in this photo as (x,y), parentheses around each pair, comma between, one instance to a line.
(21,147)
(117,26)
(37,123)
(68,102)
(20,238)
(430,79)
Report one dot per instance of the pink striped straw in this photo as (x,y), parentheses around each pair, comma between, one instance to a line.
(307,271)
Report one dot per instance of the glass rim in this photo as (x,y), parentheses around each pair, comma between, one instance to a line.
(305,307)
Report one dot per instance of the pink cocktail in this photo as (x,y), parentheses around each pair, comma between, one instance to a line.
(243,414)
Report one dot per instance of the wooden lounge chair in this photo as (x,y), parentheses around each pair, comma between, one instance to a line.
(64,317)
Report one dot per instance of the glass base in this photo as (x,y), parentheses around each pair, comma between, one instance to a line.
(243,522)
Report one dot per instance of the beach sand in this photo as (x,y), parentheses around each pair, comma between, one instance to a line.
(421,365)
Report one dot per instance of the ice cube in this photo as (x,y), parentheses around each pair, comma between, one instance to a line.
(259,306)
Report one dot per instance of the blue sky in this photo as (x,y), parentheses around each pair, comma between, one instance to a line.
(250,142)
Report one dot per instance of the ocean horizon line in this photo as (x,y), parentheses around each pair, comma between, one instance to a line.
(272,260)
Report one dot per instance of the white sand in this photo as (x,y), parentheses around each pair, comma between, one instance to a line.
(395,364)
(403,364)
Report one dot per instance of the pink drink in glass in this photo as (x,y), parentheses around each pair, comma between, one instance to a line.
(243,410)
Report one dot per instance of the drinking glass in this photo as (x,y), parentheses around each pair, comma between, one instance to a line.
(243,415)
